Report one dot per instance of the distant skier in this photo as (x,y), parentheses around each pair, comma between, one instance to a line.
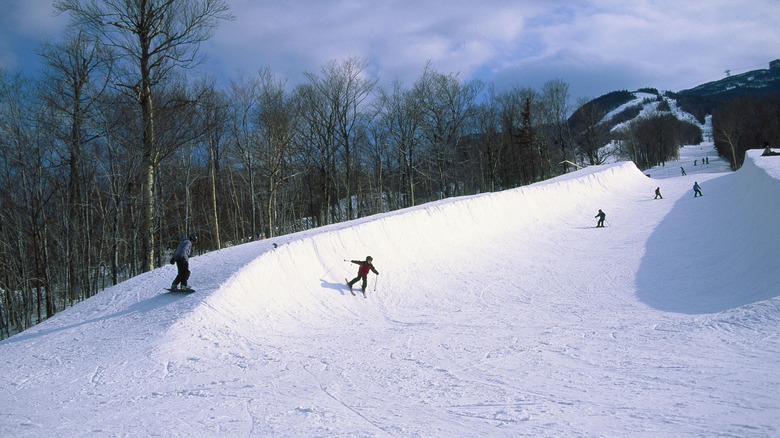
(601,217)
(365,266)
(768,150)
(696,189)
(658,193)
(683,171)
(182,259)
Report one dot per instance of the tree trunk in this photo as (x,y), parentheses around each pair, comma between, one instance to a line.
(213,171)
(147,180)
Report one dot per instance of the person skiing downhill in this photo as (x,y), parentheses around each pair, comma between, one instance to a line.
(365,266)
(601,215)
(182,259)
(658,193)
(696,189)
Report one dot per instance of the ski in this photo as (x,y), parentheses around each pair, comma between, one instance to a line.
(350,287)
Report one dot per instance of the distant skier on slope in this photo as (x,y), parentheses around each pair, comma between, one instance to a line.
(182,259)
(365,266)
(696,189)
(601,215)
(768,150)
(658,193)
(683,171)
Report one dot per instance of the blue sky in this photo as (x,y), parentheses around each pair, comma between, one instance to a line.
(596,46)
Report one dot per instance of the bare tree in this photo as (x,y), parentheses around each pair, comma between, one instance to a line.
(555,110)
(213,115)
(355,88)
(727,133)
(119,166)
(243,103)
(446,105)
(277,125)
(400,117)
(656,138)
(29,190)
(490,148)
(521,156)
(335,101)
(591,134)
(745,123)
(318,133)
(76,75)
(153,38)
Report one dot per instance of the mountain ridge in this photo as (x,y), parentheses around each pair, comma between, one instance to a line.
(699,101)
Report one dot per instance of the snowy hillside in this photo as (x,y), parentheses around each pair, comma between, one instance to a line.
(503,314)
(649,105)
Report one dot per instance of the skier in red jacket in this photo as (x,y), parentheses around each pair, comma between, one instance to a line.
(365,266)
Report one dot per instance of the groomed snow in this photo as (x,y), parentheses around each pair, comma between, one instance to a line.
(504,314)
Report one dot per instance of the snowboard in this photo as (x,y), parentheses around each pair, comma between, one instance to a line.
(184,291)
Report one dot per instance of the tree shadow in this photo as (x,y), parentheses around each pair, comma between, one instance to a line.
(150,304)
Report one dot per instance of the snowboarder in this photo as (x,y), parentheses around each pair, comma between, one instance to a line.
(365,266)
(601,217)
(683,171)
(658,193)
(768,150)
(696,189)
(182,259)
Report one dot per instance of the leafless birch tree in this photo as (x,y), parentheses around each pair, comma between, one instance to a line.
(152,38)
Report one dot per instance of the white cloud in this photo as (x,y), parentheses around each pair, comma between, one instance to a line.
(666,44)
(595,45)
(399,36)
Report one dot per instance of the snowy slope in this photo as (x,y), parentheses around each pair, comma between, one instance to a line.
(651,108)
(503,314)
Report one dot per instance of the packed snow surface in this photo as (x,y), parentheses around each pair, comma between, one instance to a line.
(503,314)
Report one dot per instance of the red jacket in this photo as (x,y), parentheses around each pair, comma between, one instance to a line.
(364,267)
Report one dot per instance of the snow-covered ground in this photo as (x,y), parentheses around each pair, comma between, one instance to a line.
(504,314)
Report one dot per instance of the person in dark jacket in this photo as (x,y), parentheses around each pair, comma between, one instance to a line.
(768,150)
(658,193)
(601,215)
(182,259)
(696,189)
(365,266)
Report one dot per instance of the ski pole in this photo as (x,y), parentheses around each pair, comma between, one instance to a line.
(376,279)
